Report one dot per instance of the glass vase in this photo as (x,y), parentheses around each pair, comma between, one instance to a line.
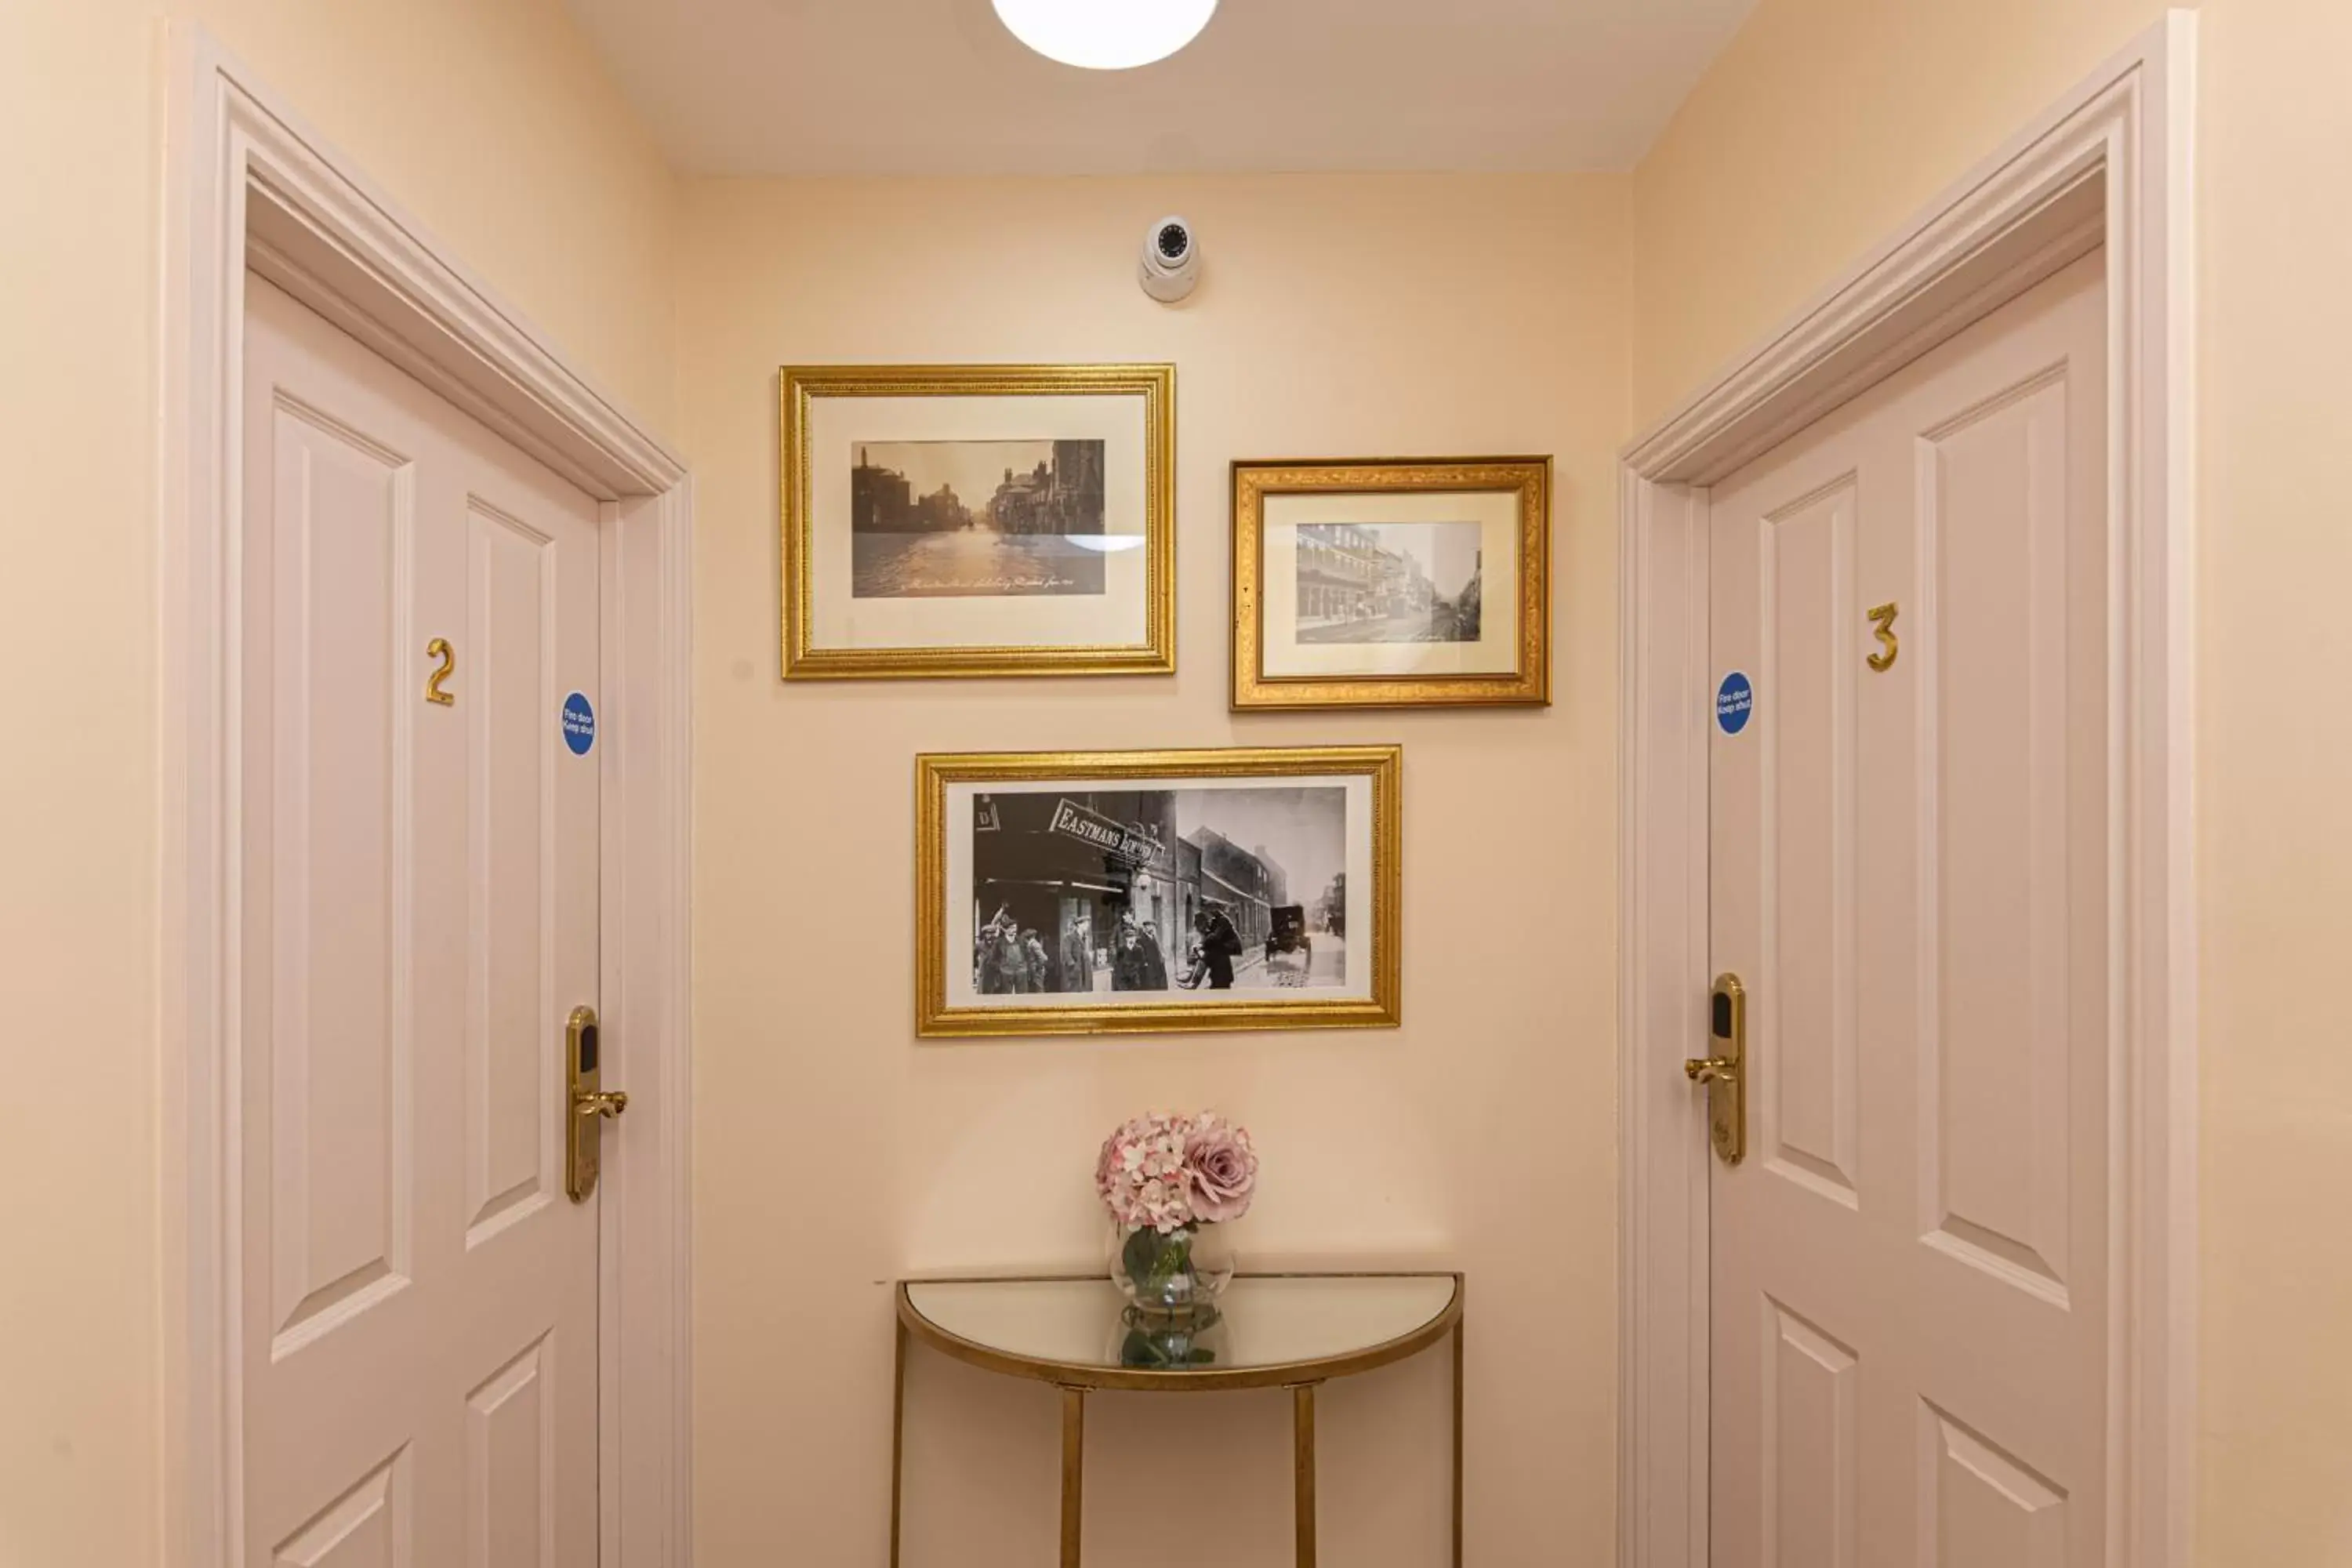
(1171,1274)
(1190,1341)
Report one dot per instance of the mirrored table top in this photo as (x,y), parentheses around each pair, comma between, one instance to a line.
(1267,1330)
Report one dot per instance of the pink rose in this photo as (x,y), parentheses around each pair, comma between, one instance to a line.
(1220,1170)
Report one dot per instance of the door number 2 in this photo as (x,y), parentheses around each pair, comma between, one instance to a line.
(1888,647)
(439,649)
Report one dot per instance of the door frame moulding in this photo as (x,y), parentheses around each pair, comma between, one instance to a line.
(2111,164)
(247,186)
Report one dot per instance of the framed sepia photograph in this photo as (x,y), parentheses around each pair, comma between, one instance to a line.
(978,519)
(1097,892)
(1392,584)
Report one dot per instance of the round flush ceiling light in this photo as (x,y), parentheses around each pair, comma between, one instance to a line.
(1105,35)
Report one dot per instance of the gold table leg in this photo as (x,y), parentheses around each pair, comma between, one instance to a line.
(1302,1444)
(1458,1442)
(897,1435)
(1074,1465)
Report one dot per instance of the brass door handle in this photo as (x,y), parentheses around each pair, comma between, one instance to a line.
(1725,1072)
(590,1102)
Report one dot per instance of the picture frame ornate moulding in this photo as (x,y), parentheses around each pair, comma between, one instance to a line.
(904,555)
(1158,892)
(1374,584)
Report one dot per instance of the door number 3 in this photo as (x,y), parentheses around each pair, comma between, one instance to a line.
(439,649)
(1888,647)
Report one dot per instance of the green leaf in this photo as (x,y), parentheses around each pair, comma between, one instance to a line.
(1141,1254)
(1175,1257)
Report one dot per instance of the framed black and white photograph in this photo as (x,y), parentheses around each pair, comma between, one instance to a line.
(1068,892)
(1393,584)
(978,519)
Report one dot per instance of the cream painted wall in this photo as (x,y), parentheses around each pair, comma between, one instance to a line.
(490,120)
(1820,128)
(834,1152)
(1340,316)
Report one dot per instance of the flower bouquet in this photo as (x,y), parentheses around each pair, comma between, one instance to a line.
(1168,1181)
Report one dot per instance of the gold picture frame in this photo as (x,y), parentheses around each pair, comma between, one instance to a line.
(952,798)
(1518,492)
(1152,651)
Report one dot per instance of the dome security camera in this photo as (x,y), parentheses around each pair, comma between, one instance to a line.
(1170,267)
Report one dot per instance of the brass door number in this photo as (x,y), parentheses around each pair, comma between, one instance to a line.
(439,649)
(1888,648)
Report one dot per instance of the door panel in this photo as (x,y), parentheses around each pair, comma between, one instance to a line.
(1908,871)
(1980,1508)
(510,1464)
(514,1067)
(419,914)
(367,1527)
(1806,562)
(340,998)
(1993,1162)
(1808,1439)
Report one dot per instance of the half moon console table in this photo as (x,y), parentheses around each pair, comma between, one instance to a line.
(1268,1331)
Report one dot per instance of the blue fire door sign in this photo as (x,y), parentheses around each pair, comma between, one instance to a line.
(579,724)
(1735,701)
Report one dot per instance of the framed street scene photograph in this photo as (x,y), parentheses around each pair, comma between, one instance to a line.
(978,519)
(1092,892)
(1392,584)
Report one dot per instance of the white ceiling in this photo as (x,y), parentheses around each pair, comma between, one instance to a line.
(840,86)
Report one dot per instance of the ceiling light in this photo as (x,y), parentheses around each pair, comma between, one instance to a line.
(1105,35)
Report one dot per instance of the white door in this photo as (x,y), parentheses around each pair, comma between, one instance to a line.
(1910,874)
(417,918)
